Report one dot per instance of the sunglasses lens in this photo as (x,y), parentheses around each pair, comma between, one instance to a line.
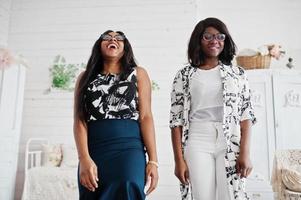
(106,37)
(119,37)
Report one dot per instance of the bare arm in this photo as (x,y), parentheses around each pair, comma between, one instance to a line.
(147,125)
(80,136)
(79,128)
(88,170)
(176,137)
(244,165)
(181,169)
(146,117)
(245,140)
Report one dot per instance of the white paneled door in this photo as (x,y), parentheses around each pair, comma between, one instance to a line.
(12,82)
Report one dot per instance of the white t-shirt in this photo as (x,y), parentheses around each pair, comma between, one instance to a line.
(206,96)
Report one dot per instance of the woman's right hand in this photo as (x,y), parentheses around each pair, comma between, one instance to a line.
(88,174)
(181,171)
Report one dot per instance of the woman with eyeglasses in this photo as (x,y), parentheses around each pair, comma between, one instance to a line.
(113,124)
(210,118)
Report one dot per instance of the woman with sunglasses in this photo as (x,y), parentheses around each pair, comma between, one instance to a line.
(211,115)
(113,124)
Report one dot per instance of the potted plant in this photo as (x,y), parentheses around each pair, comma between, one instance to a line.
(63,74)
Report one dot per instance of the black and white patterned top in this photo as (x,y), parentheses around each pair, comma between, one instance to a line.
(237,106)
(108,97)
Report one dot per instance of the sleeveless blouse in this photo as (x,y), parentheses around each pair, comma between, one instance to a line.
(108,97)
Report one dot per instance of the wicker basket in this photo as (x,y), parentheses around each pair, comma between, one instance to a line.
(254,62)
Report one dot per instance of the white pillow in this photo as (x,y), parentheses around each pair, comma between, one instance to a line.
(291,178)
(52,155)
(69,156)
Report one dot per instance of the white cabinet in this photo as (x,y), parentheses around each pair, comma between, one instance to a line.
(287,103)
(12,82)
(277,104)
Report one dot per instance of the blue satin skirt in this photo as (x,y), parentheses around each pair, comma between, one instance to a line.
(116,147)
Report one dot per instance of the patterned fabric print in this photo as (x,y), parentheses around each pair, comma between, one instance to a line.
(109,98)
(237,107)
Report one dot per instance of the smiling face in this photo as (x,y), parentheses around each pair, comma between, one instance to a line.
(211,42)
(112,45)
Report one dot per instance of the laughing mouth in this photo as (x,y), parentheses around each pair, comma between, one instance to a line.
(112,46)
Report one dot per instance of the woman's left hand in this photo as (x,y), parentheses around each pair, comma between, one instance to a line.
(243,165)
(151,177)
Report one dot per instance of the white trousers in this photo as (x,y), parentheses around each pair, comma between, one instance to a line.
(204,155)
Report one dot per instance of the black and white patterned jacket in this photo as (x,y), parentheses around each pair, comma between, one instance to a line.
(237,107)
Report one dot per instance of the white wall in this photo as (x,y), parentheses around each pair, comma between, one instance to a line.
(158,31)
(4,21)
